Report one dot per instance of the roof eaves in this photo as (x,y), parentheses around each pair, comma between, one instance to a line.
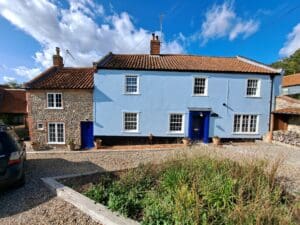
(186,70)
(42,75)
(250,61)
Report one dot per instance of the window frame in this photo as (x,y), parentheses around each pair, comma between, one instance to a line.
(137,122)
(48,133)
(182,123)
(54,100)
(248,123)
(40,128)
(258,92)
(137,84)
(205,88)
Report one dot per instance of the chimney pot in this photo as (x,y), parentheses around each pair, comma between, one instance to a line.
(57,59)
(154,45)
(57,50)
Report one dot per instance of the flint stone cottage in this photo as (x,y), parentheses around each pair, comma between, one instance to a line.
(174,96)
(60,105)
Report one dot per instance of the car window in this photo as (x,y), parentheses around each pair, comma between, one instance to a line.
(7,143)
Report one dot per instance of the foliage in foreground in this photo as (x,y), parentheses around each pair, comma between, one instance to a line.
(197,191)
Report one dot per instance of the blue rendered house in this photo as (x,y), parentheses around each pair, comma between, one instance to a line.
(175,96)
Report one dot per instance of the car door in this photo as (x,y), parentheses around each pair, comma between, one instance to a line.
(4,156)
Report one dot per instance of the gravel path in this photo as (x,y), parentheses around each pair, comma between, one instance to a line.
(34,204)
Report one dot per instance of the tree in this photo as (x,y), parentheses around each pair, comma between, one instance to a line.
(290,64)
(13,84)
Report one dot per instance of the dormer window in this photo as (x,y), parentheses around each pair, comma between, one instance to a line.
(54,100)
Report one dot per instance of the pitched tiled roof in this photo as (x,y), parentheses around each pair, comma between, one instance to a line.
(63,78)
(290,111)
(13,101)
(167,62)
(291,80)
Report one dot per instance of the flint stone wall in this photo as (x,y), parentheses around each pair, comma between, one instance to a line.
(77,107)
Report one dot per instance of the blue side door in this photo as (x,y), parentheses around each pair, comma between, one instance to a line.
(87,135)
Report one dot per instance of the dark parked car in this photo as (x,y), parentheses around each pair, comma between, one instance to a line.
(12,157)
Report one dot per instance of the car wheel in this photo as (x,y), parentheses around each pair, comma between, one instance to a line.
(21,181)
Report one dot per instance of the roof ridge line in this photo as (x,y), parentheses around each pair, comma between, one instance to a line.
(103,59)
(253,62)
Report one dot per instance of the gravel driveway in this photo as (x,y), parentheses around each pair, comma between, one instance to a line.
(34,204)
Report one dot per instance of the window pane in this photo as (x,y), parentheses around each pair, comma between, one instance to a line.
(253,122)
(237,123)
(252,87)
(52,132)
(60,133)
(130,121)
(131,84)
(199,86)
(50,100)
(58,100)
(176,122)
(245,121)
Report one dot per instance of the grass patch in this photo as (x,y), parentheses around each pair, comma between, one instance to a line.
(198,191)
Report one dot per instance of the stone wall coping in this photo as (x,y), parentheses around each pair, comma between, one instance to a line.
(96,211)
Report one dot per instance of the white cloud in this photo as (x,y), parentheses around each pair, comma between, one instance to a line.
(222,21)
(8,79)
(77,30)
(292,43)
(26,72)
(243,28)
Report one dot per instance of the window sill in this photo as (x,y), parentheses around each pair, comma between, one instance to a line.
(132,94)
(56,143)
(174,133)
(54,108)
(252,96)
(234,133)
(195,95)
(131,132)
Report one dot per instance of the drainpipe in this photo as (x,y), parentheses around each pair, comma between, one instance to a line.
(271,104)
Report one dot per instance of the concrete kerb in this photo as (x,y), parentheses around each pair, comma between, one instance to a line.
(99,151)
(96,211)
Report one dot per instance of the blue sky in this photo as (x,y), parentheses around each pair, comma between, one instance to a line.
(265,30)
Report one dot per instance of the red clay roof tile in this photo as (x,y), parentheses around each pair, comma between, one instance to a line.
(291,80)
(13,101)
(291,111)
(169,62)
(63,78)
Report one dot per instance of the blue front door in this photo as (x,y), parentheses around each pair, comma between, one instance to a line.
(199,125)
(87,135)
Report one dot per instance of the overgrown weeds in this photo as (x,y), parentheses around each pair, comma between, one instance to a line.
(199,191)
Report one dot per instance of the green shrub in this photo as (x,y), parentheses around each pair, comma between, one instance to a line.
(198,191)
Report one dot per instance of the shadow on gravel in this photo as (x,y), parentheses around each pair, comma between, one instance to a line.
(34,193)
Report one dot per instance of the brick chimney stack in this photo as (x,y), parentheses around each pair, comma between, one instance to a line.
(57,59)
(154,45)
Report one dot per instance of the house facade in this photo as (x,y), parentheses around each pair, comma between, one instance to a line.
(286,116)
(13,106)
(291,84)
(60,105)
(174,96)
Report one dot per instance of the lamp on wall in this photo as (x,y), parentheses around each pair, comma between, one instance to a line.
(201,114)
